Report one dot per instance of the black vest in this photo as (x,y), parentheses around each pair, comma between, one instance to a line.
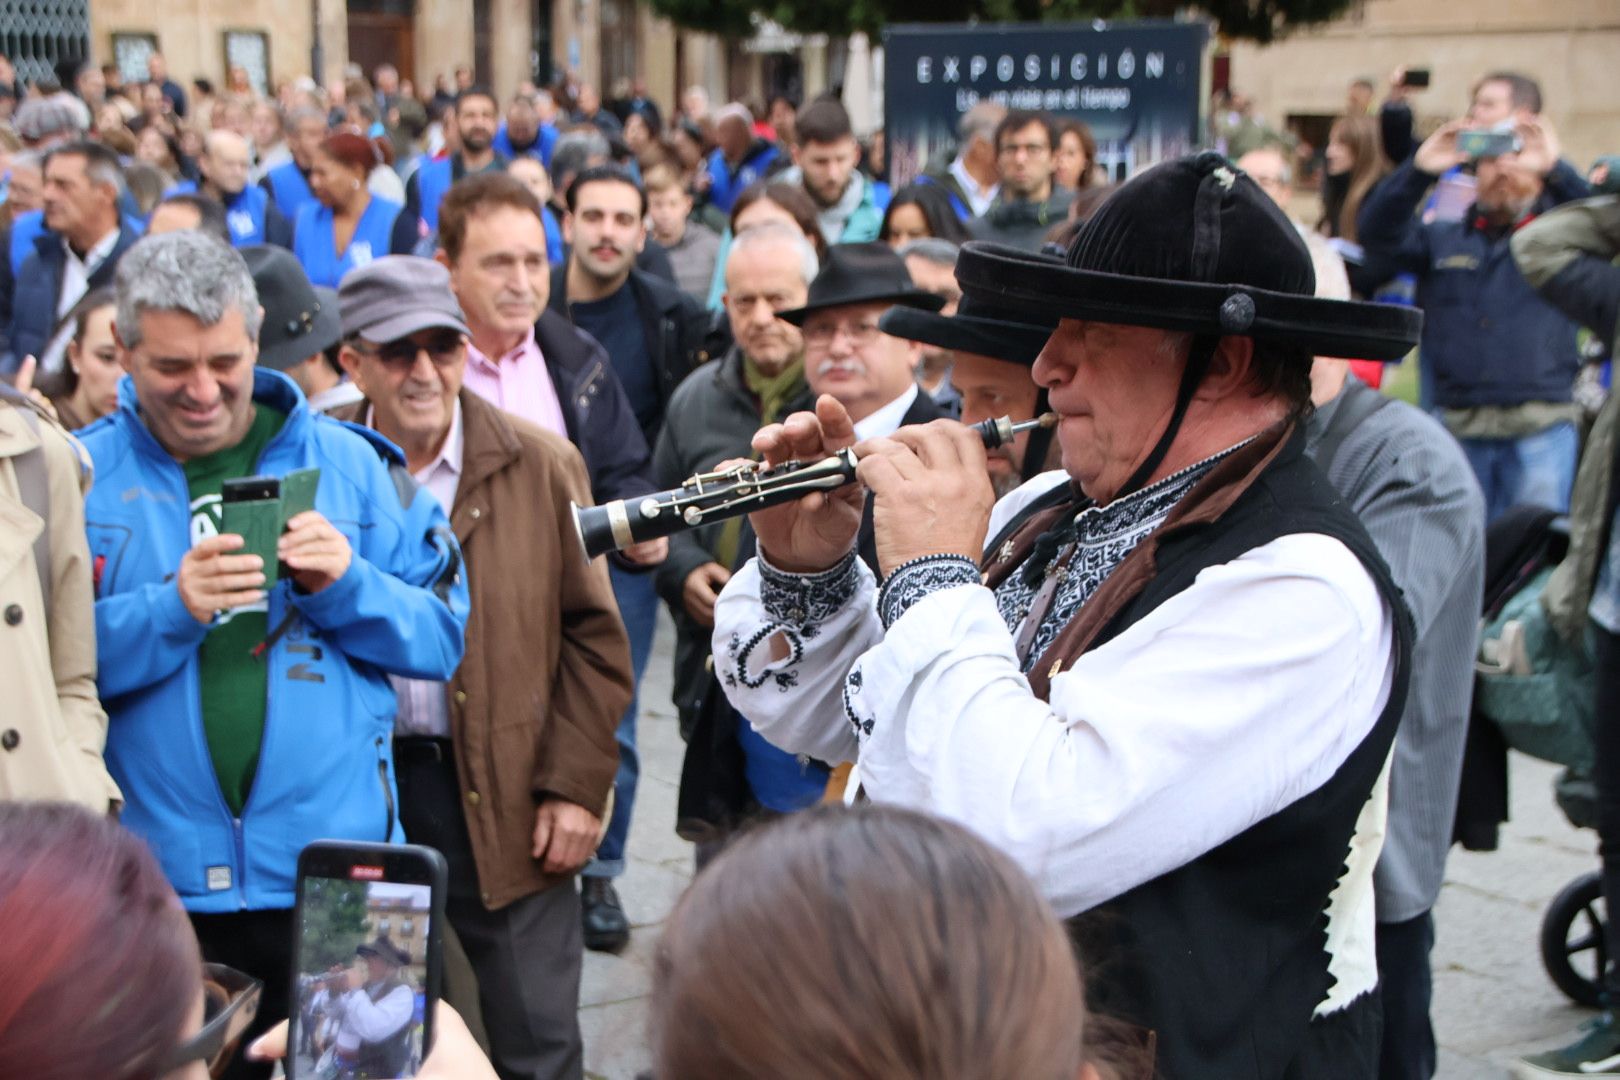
(1225,958)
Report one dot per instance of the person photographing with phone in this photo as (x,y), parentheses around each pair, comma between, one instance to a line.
(247,718)
(1499,361)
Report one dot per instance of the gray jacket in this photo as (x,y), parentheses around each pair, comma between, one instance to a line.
(1021,223)
(1407,479)
(711,418)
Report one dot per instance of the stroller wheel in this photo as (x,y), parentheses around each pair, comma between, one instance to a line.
(1573,946)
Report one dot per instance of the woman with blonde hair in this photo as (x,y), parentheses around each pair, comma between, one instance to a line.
(873,943)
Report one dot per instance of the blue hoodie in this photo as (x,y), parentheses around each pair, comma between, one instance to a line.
(325,764)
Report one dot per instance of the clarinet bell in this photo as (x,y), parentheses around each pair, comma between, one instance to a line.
(595,529)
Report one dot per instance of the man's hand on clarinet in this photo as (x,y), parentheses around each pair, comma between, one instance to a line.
(932,490)
(809,534)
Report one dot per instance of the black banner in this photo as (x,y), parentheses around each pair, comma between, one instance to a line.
(1138,85)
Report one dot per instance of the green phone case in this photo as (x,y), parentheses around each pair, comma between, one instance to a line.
(258,522)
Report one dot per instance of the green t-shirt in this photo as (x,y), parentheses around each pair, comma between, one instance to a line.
(234,682)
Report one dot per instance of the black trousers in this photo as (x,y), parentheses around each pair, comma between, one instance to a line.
(260,944)
(1406,985)
(526,956)
(1606,778)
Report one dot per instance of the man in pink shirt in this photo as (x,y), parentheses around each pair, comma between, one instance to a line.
(537,365)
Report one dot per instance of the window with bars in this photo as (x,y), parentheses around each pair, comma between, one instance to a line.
(36,35)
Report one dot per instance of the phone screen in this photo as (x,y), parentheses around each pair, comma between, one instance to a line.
(366,965)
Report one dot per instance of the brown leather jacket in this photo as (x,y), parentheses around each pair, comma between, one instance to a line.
(546,674)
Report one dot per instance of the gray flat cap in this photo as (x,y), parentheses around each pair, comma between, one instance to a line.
(395,296)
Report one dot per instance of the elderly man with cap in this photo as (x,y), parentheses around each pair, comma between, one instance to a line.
(507,767)
(301,328)
(1165,680)
(373,1007)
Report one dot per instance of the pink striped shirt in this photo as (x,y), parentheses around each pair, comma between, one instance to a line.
(518,383)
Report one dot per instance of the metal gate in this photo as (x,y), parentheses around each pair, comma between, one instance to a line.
(38,34)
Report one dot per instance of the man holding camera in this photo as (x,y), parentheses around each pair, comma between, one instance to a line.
(247,715)
(1501,361)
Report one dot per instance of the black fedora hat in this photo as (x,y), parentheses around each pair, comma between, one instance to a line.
(298,320)
(979,326)
(862,274)
(383,949)
(1192,245)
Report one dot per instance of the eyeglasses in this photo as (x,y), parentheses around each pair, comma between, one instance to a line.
(443,349)
(231,1001)
(1026,149)
(822,335)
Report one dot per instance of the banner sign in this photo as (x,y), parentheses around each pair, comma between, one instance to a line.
(1139,86)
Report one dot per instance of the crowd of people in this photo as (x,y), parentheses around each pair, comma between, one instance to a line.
(1227,555)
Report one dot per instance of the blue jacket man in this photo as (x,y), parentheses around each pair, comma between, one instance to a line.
(250,719)
(288,185)
(250,214)
(727,181)
(1500,361)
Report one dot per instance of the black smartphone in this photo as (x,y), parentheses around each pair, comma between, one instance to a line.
(1415,78)
(367,959)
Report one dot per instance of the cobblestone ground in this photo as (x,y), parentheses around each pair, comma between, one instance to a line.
(1493,1001)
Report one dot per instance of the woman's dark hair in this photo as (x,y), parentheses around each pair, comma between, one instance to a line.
(862,944)
(790,197)
(101,966)
(1088,142)
(936,208)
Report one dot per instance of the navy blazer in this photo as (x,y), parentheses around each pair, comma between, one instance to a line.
(29,312)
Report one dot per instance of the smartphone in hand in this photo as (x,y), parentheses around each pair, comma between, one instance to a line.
(367,959)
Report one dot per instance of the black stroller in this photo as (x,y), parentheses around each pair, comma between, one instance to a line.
(1534,694)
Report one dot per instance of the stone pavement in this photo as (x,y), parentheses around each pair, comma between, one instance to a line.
(1493,1001)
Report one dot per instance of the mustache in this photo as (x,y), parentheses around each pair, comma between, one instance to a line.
(851,365)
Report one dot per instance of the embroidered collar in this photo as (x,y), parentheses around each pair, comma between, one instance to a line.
(1094,523)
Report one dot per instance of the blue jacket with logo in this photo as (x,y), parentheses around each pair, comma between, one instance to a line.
(726,183)
(325,765)
(1488,337)
(250,215)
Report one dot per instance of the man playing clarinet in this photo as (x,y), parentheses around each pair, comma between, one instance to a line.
(1165,679)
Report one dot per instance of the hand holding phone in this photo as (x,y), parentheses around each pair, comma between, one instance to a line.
(367,959)
(216,575)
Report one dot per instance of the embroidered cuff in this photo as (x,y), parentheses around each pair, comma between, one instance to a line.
(916,579)
(805,601)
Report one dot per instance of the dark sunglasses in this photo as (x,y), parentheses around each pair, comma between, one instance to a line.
(231,1003)
(443,349)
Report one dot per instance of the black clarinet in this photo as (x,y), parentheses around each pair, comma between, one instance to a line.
(742,489)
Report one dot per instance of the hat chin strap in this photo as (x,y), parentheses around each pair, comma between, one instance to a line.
(1199,356)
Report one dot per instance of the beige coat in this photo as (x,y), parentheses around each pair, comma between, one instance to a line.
(52,727)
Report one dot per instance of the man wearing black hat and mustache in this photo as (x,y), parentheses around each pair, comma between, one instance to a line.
(1166,680)
(374,1007)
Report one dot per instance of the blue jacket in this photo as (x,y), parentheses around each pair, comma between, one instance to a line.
(544,143)
(427,185)
(1488,338)
(326,764)
(251,216)
(726,183)
(23,231)
(29,313)
(287,185)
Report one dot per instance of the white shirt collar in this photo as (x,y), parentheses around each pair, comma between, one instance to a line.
(886,421)
(335,397)
(98,251)
(979,197)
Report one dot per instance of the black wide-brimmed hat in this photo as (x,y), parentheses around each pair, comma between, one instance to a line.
(299,320)
(862,274)
(979,326)
(384,949)
(1191,245)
